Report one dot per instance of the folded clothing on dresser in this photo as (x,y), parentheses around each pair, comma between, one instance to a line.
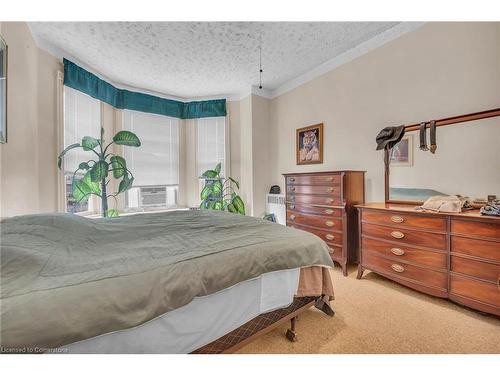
(450,203)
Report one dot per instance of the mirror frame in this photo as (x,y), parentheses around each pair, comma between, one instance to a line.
(442,122)
(3,126)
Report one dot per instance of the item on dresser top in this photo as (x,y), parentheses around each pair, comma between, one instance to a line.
(451,203)
(275,189)
(490,210)
(389,136)
(433,136)
(423,136)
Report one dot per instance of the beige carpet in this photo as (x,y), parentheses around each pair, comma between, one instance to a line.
(376,315)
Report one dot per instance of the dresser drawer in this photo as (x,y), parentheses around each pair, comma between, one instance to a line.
(482,270)
(388,266)
(325,211)
(321,222)
(476,290)
(331,238)
(335,253)
(405,253)
(314,199)
(478,248)
(321,190)
(475,228)
(326,179)
(405,236)
(404,220)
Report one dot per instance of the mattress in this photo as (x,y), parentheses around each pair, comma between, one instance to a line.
(201,321)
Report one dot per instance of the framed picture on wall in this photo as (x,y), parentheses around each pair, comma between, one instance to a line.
(402,152)
(309,144)
(3,91)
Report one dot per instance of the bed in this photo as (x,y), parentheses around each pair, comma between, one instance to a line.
(178,282)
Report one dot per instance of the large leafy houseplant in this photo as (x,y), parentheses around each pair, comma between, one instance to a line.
(97,170)
(218,193)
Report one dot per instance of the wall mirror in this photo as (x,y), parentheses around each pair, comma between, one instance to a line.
(3,91)
(466,162)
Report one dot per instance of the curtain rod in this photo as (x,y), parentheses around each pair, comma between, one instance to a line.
(457,119)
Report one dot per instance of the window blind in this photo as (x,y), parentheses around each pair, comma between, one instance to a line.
(82,117)
(210,144)
(156,162)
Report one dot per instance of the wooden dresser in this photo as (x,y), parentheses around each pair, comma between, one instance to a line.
(322,203)
(455,256)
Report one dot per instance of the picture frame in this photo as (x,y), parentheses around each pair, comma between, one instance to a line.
(309,144)
(402,153)
(3,90)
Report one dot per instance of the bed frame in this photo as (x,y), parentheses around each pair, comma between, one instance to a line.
(259,326)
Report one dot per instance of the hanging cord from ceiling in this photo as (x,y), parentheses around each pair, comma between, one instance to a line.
(260,62)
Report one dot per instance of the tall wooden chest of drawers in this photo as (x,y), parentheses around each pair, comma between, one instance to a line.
(455,256)
(322,203)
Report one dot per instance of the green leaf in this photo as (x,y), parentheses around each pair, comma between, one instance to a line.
(99,171)
(83,188)
(126,138)
(217,187)
(84,166)
(238,204)
(89,143)
(125,184)
(235,182)
(218,167)
(119,166)
(218,206)
(203,205)
(102,132)
(61,155)
(209,174)
(207,190)
(231,208)
(112,213)
(211,205)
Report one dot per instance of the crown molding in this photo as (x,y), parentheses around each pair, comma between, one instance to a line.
(361,49)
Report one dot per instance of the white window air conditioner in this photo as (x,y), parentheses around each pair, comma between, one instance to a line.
(151,196)
(275,204)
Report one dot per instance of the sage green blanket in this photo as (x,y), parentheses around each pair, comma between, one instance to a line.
(65,278)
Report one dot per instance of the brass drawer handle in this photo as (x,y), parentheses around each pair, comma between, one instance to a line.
(291,179)
(292,217)
(292,206)
(397,219)
(397,234)
(397,268)
(329,179)
(292,188)
(329,200)
(332,250)
(397,251)
(330,237)
(328,211)
(329,223)
(330,190)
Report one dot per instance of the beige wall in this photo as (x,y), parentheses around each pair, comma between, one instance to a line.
(441,69)
(28,159)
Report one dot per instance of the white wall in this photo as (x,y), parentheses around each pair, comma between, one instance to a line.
(438,70)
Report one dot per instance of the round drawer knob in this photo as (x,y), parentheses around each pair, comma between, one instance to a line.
(397,234)
(292,217)
(291,179)
(397,267)
(397,251)
(330,237)
(292,188)
(292,206)
(397,219)
(329,223)
(328,211)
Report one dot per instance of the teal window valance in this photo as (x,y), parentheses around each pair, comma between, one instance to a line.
(82,80)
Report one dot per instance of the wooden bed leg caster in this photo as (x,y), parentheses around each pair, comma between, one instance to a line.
(360,272)
(290,332)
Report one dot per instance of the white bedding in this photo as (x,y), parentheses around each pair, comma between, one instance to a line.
(201,321)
